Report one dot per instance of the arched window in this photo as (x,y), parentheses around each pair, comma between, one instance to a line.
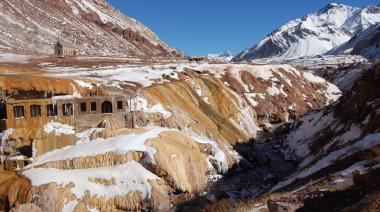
(106,107)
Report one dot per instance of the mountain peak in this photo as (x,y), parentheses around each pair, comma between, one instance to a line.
(315,34)
(222,57)
(332,6)
(226,54)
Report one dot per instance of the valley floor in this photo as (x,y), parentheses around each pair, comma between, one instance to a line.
(247,187)
(263,167)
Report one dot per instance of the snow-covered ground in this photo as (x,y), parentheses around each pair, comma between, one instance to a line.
(58,128)
(128,177)
(120,144)
(138,103)
(266,72)
(311,63)
(13,58)
(144,75)
(340,70)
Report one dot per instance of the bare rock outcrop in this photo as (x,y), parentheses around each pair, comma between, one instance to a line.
(180,161)
(14,190)
(217,113)
(278,93)
(102,160)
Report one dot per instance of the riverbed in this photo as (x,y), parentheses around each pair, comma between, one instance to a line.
(263,167)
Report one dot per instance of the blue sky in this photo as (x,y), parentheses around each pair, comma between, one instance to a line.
(199,27)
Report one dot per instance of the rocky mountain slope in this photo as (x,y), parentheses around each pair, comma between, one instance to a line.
(315,34)
(93,26)
(366,43)
(331,146)
(337,133)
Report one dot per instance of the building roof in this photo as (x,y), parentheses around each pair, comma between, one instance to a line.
(66,44)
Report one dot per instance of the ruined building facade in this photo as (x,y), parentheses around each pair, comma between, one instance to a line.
(79,112)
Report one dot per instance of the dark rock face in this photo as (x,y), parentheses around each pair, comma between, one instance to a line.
(269,49)
(365,43)
(128,34)
(350,126)
(372,41)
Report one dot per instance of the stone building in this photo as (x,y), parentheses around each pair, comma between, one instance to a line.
(82,113)
(63,49)
(27,118)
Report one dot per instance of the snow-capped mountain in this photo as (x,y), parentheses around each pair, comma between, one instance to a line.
(93,26)
(221,57)
(315,34)
(366,43)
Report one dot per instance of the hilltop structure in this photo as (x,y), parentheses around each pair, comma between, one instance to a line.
(63,49)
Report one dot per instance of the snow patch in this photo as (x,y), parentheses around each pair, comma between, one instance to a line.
(84,84)
(129,177)
(58,128)
(13,58)
(138,103)
(120,144)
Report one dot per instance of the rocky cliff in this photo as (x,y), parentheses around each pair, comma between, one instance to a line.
(341,135)
(337,150)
